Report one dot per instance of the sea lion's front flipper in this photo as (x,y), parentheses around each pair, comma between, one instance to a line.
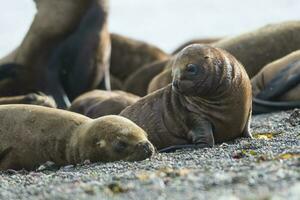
(284,81)
(4,153)
(201,137)
(202,133)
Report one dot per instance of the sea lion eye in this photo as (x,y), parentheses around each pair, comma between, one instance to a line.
(120,146)
(192,69)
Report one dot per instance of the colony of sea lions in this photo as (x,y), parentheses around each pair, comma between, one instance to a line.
(198,95)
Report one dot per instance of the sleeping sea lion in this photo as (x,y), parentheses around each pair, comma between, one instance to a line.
(32,135)
(98,103)
(128,55)
(277,86)
(32,98)
(209,101)
(138,82)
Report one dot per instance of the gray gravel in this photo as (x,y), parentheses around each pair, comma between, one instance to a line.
(267,167)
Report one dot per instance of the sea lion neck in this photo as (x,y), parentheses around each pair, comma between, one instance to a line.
(73,147)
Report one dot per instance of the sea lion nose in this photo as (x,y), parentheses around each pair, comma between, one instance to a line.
(147,148)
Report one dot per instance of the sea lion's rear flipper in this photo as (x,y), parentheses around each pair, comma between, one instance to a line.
(285,80)
(4,153)
(262,106)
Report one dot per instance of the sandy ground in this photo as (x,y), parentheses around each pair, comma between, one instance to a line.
(266,167)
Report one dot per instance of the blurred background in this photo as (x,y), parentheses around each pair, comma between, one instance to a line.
(166,23)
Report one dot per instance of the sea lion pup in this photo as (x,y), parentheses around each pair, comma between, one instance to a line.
(32,98)
(277,86)
(82,60)
(138,82)
(98,103)
(31,135)
(53,22)
(257,48)
(196,41)
(127,55)
(208,101)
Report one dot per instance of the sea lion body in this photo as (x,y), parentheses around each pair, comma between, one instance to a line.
(52,30)
(277,86)
(213,105)
(82,60)
(128,55)
(99,103)
(32,98)
(275,68)
(31,135)
(257,48)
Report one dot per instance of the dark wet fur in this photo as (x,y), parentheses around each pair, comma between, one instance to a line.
(74,62)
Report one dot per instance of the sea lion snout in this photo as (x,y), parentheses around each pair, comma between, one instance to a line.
(146,147)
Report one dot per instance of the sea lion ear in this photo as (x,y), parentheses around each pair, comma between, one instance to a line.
(246,132)
(4,153)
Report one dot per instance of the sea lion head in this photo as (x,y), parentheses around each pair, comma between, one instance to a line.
(112,138)
(201,70)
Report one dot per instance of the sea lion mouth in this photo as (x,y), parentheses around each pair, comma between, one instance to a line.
(142,151)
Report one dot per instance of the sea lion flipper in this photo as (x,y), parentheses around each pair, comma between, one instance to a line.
(4,153)
(202,133)
(284,81)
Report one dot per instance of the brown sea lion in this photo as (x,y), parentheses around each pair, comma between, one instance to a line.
(209,101)
(32,98)
(98,103)
(60,29)
(31,135)
(128,55)
(257,48)
(82,60)
(277,85)
(196,41)
(138,82)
